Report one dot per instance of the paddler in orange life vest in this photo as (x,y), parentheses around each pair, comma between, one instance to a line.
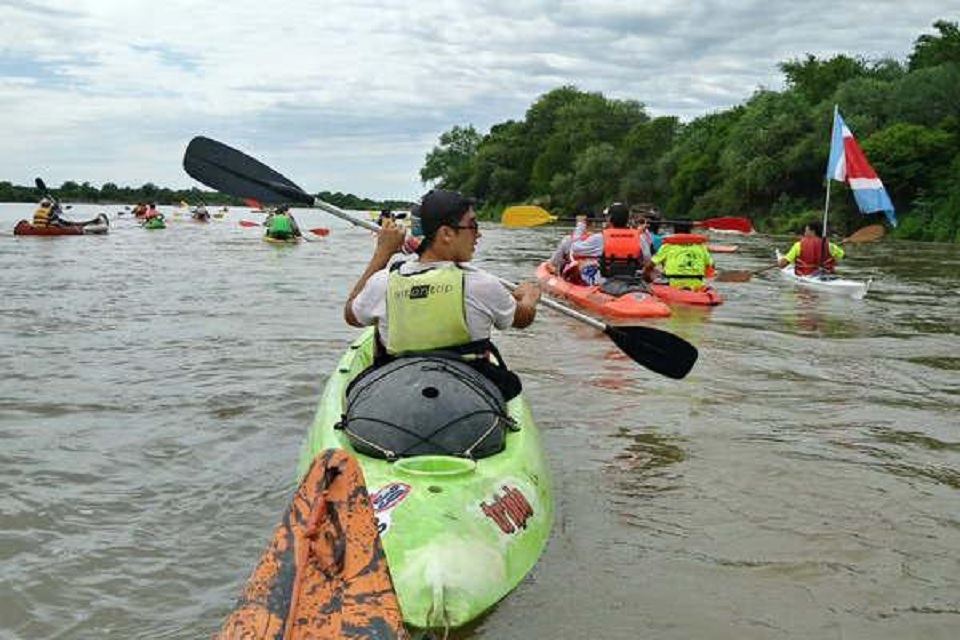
(625,249)
(616,251)
(808,255)
(683,259)
(440,301)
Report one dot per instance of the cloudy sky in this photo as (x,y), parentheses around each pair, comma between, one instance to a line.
(350,96)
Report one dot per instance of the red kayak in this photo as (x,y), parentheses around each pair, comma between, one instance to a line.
(631,305)
(99,225)
(708,296)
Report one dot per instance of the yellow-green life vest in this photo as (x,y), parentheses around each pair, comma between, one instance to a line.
(426,310)
(280,226)
(41,217)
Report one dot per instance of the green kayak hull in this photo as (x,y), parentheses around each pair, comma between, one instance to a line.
(458,534)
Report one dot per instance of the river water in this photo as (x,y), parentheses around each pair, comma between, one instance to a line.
(802,482)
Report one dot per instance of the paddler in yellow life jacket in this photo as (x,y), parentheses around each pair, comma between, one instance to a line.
(683,259)
(439,301)
(45,214)
(808,255)
(281,225)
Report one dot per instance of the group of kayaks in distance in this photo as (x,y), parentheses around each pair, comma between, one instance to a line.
(632,279)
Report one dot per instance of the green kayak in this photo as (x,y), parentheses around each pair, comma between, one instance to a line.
(155,223)
(459,531)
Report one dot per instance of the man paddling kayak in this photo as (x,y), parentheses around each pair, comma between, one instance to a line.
(439,301)
(808,254)
(281,224)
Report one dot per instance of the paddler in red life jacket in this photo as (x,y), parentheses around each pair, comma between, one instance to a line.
(808,255)
(683,259)
(439,301)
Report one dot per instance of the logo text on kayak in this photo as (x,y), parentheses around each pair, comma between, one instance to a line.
(509,511)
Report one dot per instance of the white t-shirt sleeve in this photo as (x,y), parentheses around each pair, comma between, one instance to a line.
(487,297)
(370,305)
(591,246)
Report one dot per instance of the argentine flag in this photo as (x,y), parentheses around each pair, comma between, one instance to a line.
(849,164)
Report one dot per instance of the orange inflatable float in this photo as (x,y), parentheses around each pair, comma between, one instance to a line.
(324,574)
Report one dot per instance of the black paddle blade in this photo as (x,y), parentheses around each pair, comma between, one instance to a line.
(41,185)
(659,351)
(234,172)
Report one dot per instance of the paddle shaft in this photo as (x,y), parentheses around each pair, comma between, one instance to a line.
(556,306)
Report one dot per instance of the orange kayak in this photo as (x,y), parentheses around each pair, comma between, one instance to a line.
(707,296)
(632,305)
(324,574)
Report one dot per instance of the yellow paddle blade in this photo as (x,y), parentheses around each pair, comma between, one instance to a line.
(526,215)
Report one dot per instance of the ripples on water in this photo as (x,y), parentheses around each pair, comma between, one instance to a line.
(800,483)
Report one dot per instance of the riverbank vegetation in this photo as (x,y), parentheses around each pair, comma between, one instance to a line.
(765,159)
(110,193)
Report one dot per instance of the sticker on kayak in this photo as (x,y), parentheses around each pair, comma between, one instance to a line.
(509,511)
(385,499)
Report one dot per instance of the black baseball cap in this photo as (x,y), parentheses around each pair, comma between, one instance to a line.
(440,207)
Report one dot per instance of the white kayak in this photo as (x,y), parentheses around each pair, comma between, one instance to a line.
(856,289)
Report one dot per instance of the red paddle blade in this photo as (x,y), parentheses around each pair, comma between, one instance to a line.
(253,204)
(727,223)
(248,223)
(320,231)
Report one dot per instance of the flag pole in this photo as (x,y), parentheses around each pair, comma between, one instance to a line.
(825,238)
(826,204)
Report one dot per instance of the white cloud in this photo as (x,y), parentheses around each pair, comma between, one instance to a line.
(351,96)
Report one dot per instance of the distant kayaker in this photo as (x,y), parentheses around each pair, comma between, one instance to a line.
(200,212)
(807,255)
(683,259)
(281,225)
(439,301)
(653,228)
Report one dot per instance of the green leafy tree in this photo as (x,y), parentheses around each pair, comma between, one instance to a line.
(816,80)
(910,159)
(933,50)
(448,165)
(929,96)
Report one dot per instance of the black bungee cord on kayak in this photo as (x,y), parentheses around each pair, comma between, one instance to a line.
(430,404)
